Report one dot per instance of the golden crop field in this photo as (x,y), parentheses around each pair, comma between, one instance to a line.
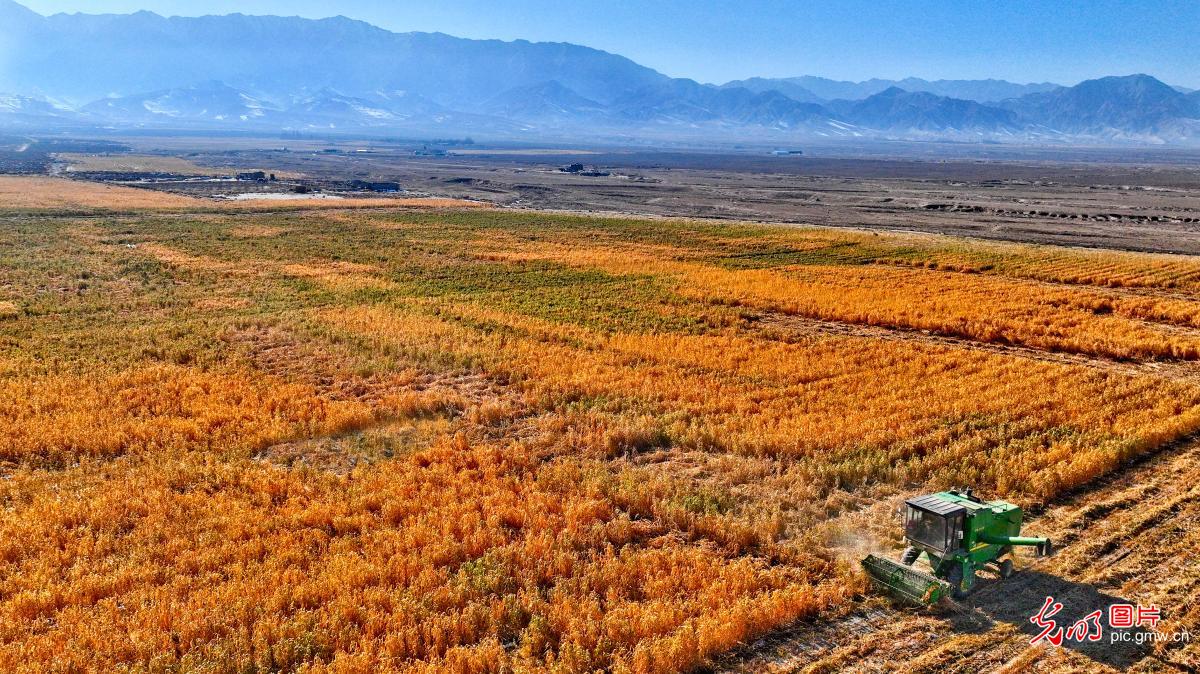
(468,440)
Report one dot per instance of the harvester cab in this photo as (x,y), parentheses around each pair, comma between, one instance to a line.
(958,533)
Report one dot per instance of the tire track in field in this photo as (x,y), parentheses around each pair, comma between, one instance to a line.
(789,326)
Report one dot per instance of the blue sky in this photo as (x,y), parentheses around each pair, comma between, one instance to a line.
(718,40)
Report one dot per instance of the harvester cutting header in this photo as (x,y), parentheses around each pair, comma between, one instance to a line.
(959,534)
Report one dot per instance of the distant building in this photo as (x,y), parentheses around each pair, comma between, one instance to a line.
(369,186)
(581,170)
(253,176)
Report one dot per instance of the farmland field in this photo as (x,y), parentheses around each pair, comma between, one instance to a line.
(415,436)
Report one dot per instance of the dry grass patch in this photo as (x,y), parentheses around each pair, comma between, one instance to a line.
(256,231)
(198,263)
(134,163)
(22,192)
(221,303)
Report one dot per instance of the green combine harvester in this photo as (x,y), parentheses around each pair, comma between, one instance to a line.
(959,534)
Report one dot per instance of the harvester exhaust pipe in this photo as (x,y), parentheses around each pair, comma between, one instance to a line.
(1042,544)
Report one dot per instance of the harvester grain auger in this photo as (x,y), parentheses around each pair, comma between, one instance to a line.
(959,534)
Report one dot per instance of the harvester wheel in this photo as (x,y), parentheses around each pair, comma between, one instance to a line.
(1006,568)
(955,577)
(910,556)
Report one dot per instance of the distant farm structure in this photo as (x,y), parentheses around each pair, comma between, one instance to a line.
(369,186)
(581,170)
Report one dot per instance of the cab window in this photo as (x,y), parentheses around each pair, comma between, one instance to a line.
(925,527)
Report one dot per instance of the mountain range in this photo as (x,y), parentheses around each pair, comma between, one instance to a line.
(814,89)
(341,76)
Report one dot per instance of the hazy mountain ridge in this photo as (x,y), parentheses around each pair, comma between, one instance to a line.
(214,106)
(1137,103)
(980,91)
(208,101)
(547,101)
(686,101)
(895,108)
(86,57)
(339,75)
(764,84)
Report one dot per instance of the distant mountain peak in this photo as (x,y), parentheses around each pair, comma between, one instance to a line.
(761,85)
(1140,78)
(981,91)
(1129,84)
(11,11)
(921,112)
(1113,106)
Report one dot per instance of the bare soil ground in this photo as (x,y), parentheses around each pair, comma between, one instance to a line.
(1142,201)
(1133,199)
